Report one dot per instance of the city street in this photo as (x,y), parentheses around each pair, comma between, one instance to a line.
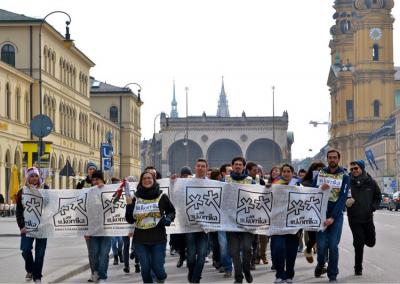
(67,257)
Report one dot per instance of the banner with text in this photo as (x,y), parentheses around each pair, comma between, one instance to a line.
(201,205)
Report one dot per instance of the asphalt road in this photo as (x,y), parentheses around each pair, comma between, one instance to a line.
(381,263)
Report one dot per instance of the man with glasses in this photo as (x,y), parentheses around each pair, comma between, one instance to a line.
(336,179)
(363,200)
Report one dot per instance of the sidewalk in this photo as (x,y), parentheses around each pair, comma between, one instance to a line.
(65,257)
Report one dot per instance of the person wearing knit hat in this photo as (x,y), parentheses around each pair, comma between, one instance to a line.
(33,265)
(363,199)
(87,182)
(185,172)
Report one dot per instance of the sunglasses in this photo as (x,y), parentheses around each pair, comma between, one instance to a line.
(354,169)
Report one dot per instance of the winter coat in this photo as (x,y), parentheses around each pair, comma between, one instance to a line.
(367,195)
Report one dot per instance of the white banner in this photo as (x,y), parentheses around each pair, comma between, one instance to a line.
(201,205)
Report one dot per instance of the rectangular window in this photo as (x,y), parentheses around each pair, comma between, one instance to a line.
(397,98)
(349,110)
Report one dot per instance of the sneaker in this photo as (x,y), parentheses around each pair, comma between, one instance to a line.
(228,274)
(290,280)
(126,269)
(309,256)
(279,280)
(180,262)
(319,270)
(28,277)
(137,268)
(248,277)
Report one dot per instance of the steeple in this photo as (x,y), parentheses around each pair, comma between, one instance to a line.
(223,109)
(174,104)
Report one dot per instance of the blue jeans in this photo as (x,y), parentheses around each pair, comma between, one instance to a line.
(152,260)
(34,266)
(197,246)
(328,241)
(127,245)
(116,245)
(284,253)
(99,250)
(225,257)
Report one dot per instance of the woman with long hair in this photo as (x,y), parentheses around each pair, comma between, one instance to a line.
(151,211)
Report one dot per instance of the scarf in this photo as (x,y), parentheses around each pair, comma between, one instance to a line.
(148,193)
(241,176)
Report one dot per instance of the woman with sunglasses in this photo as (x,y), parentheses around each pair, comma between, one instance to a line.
(363,200)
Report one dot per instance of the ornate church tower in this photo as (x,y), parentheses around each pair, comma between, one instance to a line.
(223,109)
(174,105)
(361,77)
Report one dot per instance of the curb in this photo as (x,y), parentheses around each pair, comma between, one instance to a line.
(69,274)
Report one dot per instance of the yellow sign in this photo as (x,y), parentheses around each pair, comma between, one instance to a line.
(3,126)
(30,150)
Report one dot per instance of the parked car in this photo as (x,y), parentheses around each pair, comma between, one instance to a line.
(394,203)
(386,197)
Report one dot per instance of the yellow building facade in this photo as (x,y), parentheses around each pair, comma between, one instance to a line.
(78,125)
(362,80)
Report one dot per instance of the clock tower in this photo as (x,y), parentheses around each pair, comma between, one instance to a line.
(361,77)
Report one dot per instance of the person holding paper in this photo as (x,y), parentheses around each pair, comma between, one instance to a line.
(284,247)
(337,180)
(240,242)
(151,211)
(33,266)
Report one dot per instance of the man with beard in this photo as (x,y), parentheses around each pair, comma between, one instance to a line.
(335,178)
(364,200)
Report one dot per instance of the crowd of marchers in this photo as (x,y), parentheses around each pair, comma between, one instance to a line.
(234,254)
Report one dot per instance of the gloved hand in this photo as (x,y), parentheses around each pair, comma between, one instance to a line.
(350,202)
(166,221)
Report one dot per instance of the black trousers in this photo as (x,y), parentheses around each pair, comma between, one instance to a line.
(240,250)
(178,243)
(363,234)
(312,240)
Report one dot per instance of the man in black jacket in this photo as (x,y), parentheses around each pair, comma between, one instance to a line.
(364,198)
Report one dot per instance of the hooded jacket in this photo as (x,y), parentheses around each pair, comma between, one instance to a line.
(367,195)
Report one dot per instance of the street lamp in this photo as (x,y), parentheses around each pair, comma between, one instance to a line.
(154,136)
(273,125)
(138,92)
(187,128)
(67,43)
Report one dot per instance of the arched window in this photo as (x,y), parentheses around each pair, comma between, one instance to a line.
(375,52)
(8,54)
(376,108)
(114,114)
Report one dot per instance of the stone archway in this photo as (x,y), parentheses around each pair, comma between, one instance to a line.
(222,152)
(261,152)
(177,155)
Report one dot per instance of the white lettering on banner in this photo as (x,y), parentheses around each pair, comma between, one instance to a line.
(201,205)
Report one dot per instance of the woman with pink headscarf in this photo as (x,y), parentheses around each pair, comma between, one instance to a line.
(33,266)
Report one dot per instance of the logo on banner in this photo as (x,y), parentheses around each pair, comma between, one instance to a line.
(203,204)
(114,213)
(33,205)
(304,209)
(72,211)
(253,208)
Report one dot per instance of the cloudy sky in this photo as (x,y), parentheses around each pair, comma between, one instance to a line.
(254,44)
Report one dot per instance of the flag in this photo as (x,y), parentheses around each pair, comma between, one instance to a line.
(14,183)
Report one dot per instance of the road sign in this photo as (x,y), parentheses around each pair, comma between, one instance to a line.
(41,125)
(106,156)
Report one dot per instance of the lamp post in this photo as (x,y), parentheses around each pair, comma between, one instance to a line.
(120,119)
(187,128)
(67,43)
(154,136)
(273,125)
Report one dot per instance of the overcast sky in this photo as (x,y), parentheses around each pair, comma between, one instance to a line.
(254,44)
